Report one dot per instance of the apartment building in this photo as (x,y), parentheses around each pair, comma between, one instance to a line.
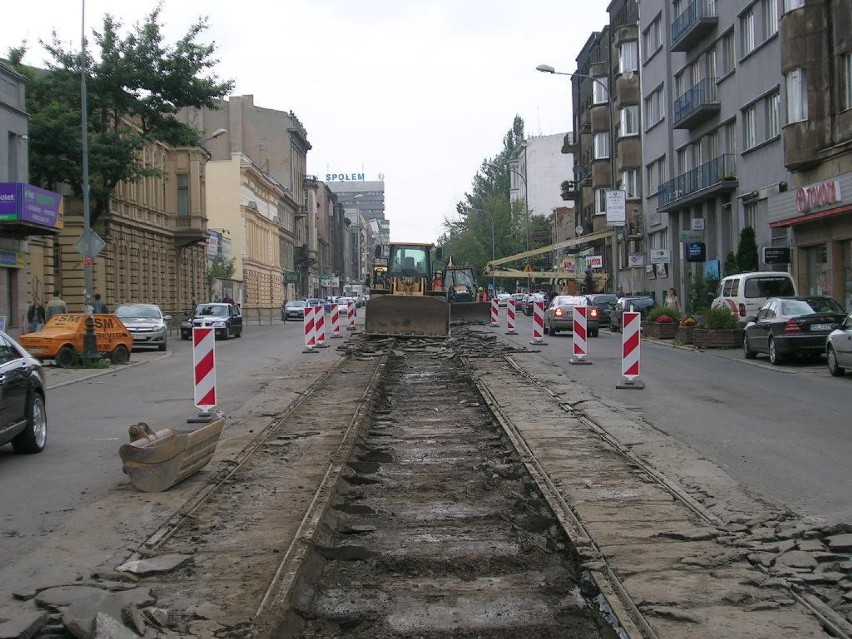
(713,152)
(811,222)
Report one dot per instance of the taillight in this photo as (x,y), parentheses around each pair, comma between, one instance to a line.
(593,313)
(792,326)
(558,312)
(742,310)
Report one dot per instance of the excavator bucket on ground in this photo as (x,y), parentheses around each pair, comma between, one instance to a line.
(407,315)
(470,312)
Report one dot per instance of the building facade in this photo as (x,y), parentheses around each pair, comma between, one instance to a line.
(814,216)
(711,121)
(363,205)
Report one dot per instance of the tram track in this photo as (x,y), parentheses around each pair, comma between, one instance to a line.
(413,491)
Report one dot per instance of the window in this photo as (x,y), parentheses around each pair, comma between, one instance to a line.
(747,32)
(601,145)
(729,58)
(750,127)
(729,131)
(600,92)
(655,109)
(847,80)
(631,183)
(797,96)
(183,194)
(770,18)
(773,116)
(600,201)
(651,37)
(791,5)
(630,120)
(750,214)
(656,174)
(628,57)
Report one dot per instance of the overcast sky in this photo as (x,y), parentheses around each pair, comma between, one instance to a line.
(419,91)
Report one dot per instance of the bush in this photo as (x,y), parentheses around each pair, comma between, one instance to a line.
(662,311)
(702,291)
(720,317)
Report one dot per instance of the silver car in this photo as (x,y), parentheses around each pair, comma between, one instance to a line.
(838,348)
(559,316)
(146,323)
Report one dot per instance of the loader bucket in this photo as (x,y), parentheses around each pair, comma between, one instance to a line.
(470,312)
(407,315)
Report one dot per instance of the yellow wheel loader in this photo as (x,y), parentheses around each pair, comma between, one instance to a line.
(405,299)
(463,296)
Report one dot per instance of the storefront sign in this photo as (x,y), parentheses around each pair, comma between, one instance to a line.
(696,252)
(25,203)
(817,195)
(776,255)
(594,261)
(635,260)
(344,177)
(661,256)
(616,203)
(691,236)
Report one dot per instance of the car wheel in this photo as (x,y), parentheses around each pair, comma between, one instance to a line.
(594,333)
(163,346)
(747,352)
(119,355)
(774,356)
(239,332)
(184,336)
(33,438)
(66,357)
(546,329)
(833,367)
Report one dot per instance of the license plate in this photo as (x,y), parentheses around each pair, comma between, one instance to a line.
(821,327)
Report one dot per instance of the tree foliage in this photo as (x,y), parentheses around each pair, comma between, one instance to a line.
(221,269)
(135,86)
(747,251)
(468,236)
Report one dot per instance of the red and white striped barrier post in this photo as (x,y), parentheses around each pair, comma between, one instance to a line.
(350,315)
(335,321)
(631,325)
(310,329)
(319,322)
(204,368)
(495,312)
(510,317)
(581,335)
(538,323)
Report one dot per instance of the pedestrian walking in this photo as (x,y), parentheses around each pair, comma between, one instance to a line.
(98,305)
(672,301)
(56,306)
(36,315)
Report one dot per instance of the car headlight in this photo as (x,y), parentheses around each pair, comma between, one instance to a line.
(219,324)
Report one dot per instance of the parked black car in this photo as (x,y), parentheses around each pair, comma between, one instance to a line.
(226,320)
(642,304)
(789,326)
(605,303)
(23,416)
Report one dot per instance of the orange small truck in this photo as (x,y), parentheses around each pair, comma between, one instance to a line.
(61,339)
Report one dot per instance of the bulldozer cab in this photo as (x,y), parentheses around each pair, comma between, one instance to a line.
(409,261)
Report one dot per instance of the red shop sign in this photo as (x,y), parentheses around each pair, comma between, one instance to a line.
(816,195)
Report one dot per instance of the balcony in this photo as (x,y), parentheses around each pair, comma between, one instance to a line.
(719,175)
(697,20)
(698,104)
(302,211)
(189,229)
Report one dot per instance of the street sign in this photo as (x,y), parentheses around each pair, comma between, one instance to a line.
(89,244)
(616,205)
(776,255)
(691,236)
(696,252)
(660,256)
(698,224)
(635,260)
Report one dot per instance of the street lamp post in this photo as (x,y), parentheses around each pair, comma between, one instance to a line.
(546,68)
(493,254)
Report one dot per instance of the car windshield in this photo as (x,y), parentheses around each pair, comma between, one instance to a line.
(604,301)
(569,300)
(638,302)
(811,305)
(297,303)
(211,309)
(138,311)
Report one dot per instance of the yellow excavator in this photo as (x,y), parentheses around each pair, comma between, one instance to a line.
(463,296)
(405,298)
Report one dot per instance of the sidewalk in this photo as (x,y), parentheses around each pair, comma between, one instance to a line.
(56,376)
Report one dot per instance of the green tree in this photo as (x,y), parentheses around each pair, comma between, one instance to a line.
(730,267)
(747,251)
(135,87)
(221,269)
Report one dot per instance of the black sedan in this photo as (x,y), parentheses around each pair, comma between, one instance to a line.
(641,304)
(23,417)
(294,309)
(226,320)
(605,303)
(788,326)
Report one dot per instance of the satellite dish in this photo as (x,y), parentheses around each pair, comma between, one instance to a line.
(579,229)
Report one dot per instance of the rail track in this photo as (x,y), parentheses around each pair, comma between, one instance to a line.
(440,489)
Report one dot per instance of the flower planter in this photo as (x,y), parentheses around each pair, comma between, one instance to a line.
(685,334)
(659,330)
(717,337)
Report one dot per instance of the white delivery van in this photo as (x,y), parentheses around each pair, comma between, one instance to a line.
(744,293)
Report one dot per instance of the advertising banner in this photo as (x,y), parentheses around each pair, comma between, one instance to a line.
(26,203)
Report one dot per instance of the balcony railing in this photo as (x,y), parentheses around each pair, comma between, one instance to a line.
(698,19)
(696,105)
(719,174)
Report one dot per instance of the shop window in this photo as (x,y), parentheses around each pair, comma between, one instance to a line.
(817,275)
(846,273)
